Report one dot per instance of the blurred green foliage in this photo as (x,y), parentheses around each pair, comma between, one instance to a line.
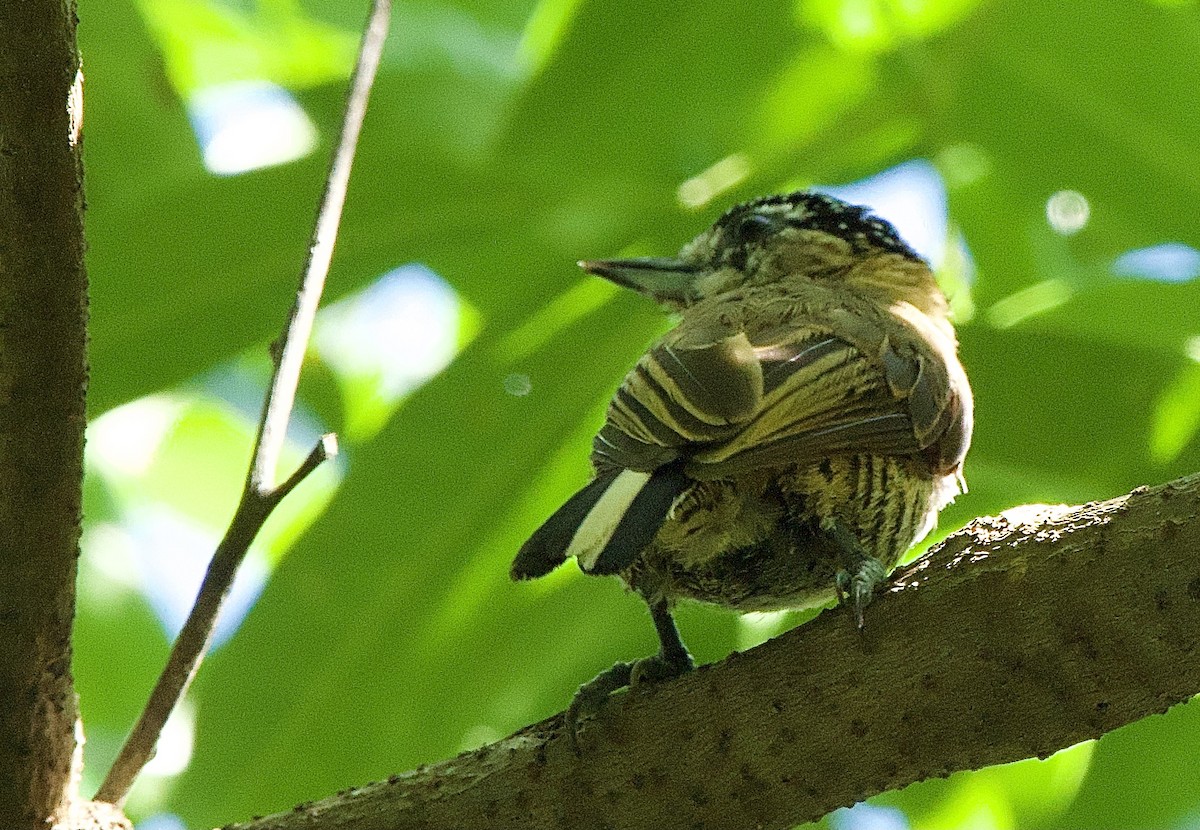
(508,139)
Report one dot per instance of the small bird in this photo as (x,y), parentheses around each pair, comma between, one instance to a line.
(786,442)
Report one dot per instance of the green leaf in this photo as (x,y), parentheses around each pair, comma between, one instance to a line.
(1177,415)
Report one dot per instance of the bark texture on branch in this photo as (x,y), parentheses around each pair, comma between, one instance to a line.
(1018,636)
(43,295)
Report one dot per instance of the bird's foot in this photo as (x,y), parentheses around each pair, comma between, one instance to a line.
(591,695)
(659,667)
(857,589)
(860,574)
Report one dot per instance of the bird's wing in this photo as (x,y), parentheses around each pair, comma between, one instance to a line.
(682,394)
(791,395)
(710,404)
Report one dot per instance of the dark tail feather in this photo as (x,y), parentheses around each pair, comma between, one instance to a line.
(547,548)
(641,520)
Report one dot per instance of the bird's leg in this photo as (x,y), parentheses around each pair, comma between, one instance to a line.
(672,660)
(860,573)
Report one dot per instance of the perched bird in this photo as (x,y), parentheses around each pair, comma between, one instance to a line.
(793,435)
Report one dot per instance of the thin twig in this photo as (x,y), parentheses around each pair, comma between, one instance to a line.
(260,494)
(327,447)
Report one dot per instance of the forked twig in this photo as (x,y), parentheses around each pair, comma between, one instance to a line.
(260,494)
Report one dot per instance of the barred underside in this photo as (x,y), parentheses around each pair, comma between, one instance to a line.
(888,501)
(755,542)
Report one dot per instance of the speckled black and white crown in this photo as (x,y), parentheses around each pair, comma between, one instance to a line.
(816,211)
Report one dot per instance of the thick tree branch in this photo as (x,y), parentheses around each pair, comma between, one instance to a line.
(43,312)
(1016,637)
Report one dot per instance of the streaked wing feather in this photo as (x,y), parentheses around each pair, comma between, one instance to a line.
(935,386)
(883,434)
(613,447)
(720,383)
(783,359)
(680,396)
(814,393)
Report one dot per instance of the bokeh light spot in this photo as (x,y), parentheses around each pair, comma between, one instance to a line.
(1068,211)
(249,125)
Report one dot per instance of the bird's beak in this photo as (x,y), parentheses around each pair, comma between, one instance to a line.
(663,278)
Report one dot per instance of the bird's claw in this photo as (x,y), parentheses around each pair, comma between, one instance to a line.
(658,668)
(591,695)
(858,589)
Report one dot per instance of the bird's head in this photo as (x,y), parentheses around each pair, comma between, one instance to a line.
(774,239)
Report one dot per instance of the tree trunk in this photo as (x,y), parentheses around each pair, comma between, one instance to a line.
(43,309)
